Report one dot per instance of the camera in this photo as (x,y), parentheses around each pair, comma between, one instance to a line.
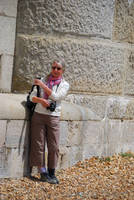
(52,106)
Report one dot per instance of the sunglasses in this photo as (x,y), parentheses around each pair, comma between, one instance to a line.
(58,68)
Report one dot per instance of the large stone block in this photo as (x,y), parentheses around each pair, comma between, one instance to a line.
(124,21)
(91,66)
(120,108)
(6,68)
(13,106)
(3,126)
(63,132)
(97,104)
(129,76)
(17,134)
(120,137)
(93,18)
(69,156)
(8,8)
(14,163)
(7,35)
(128,136)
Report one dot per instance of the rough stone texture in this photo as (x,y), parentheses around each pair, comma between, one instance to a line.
(93,18)
(120,108)
(91,66)
(96,104)
(120,137)
(129,76)
(8,12)
(17,134)
(8,8)
(14,162)
(124,21)
(6,68)
(12,106)
(2,132)
(7,41)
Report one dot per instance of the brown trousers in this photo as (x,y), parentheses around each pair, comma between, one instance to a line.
(45,129)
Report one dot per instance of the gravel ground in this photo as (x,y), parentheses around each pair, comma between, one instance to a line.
(110,178)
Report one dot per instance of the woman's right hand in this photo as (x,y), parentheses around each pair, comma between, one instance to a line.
(43,102)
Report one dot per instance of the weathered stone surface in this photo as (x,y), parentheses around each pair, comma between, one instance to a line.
(7,35)
(17,162)
(124,21)
(96,104)
(91,66)
(8,8)
(12,106)
(120,137)
(75,112)
(3,124)
(13,162)
(129,76)
(120,108)
(6,68)
(63,132)
(94,18)
(69,156)
(128,136)
(17,134)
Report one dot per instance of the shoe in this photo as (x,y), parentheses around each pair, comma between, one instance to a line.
(46,178)
(54,178)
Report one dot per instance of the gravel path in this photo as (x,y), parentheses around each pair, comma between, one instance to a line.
(109,178)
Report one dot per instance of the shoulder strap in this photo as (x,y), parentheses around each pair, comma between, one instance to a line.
(38,90)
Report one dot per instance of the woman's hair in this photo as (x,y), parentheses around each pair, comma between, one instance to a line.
(60,61)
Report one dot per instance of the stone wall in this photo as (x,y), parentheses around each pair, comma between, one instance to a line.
(96,39)
(8,11)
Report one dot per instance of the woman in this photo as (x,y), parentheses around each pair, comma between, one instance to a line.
(45,121)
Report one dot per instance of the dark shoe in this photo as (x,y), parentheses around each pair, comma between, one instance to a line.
(54,178)
(46,178)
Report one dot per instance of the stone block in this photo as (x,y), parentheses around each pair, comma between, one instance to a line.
(8,8)
(17,162)
(17,134)
(7,35)
(3,126)
(120,137)
(128,136)
(13,106)
(69,156)
(63,132)
(123,29)
(63,161)
(75,133)
(97,104)
(90,67)
(76,113)
(3,160)
(6,68)
(93,18)
(129,75)
(113,137)
(120,108)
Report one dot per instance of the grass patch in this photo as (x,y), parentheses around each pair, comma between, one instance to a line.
(127,154)
(107,159)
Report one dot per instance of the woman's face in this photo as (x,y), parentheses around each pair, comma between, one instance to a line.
(56,69)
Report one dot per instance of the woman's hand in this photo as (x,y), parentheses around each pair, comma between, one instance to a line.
(43,102)
(40,83)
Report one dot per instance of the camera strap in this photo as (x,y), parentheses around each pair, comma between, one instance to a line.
(56,91)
